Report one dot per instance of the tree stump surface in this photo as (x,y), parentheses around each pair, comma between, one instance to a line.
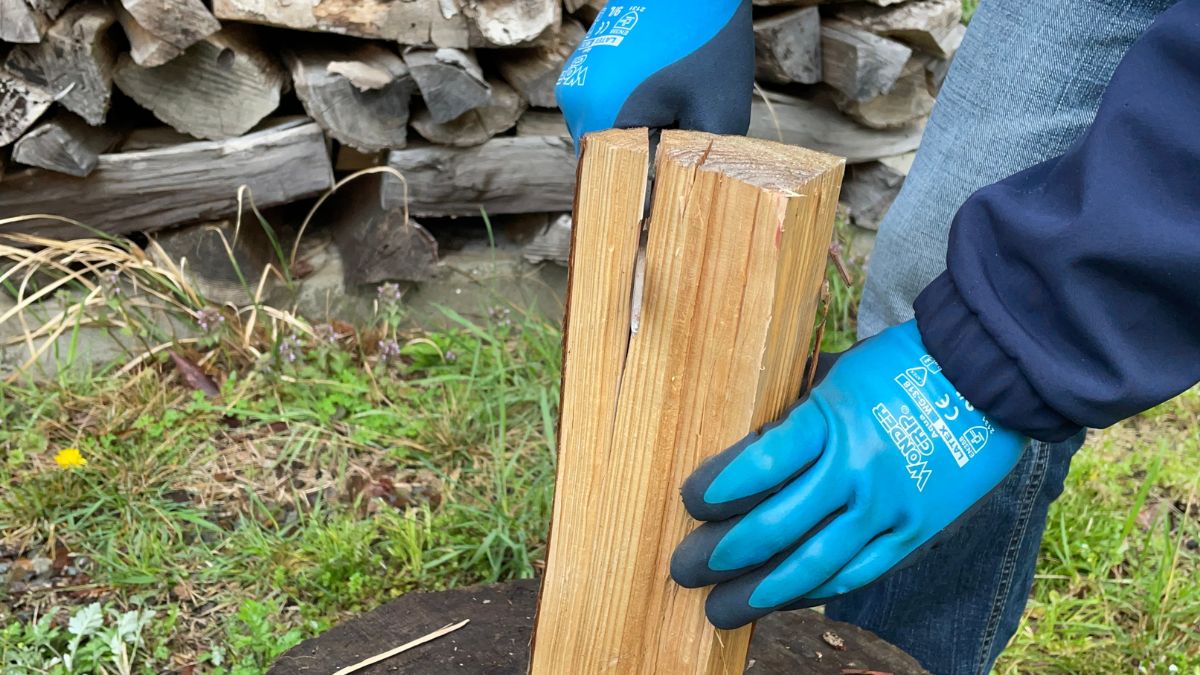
(496,641)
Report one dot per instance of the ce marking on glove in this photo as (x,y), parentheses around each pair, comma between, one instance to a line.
(944,403)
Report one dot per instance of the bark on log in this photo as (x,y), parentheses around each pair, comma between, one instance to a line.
(360,95)
(552,244)
(153,138)
(810,124)
(220,87)
(512,23)
(586,10)
(375,241)
(474,126)
(74,62)
(938,67)
(179,23)
(788,46)
(814,3)
(496,641)
(203,253)
(146,48)
(505,175)
(413,22)
(543,123)
(908,101)
(859,64)
(450,80)
(65,144)
(534,72)
(868,192)
(153,189)
(21,104)
(927,25)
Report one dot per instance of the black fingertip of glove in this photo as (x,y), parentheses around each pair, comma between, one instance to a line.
(689,563)
(696,485)
(728,604)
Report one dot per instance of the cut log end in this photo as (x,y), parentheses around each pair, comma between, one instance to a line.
(774,167)
(221,87)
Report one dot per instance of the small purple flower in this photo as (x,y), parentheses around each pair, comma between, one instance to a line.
(112,281)
(389,294)
(209,319)
(326,333)
(289,349)
(389,350)
(451,356)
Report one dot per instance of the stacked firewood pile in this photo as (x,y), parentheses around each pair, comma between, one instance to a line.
(138,115)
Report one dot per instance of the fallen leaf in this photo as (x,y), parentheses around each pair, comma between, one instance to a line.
(194,377)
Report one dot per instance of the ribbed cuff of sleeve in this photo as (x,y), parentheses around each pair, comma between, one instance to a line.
(981,371)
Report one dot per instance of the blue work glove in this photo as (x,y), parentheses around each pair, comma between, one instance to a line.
(662,64)
(878,463)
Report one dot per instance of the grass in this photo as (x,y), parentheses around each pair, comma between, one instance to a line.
(968,9)
(272,477)
(1117,589)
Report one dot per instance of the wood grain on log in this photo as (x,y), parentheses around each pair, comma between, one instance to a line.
(496,642)
(474,126)
(909,100)
(375,241)
(20,23)
(146,48)
(860,64)
(26,21)
(739,233)
(505,175)
(359,95)
(450,80)
(153,189)
(65,144)
(179,23)
(810,124)
(925,24)
(221,87)
(412,22)
(21,104)
(534,72)
(512,23)
(74,62)
(788,46)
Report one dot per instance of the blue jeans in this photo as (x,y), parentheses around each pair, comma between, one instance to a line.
(1025,84)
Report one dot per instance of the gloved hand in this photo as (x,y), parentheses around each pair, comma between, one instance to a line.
(856,481)
(662,64)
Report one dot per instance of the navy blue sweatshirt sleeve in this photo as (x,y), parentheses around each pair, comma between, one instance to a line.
(1072,292)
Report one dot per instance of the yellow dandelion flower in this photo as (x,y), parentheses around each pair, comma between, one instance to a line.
(70,458)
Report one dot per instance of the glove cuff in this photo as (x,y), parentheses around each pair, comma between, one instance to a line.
(980,369)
